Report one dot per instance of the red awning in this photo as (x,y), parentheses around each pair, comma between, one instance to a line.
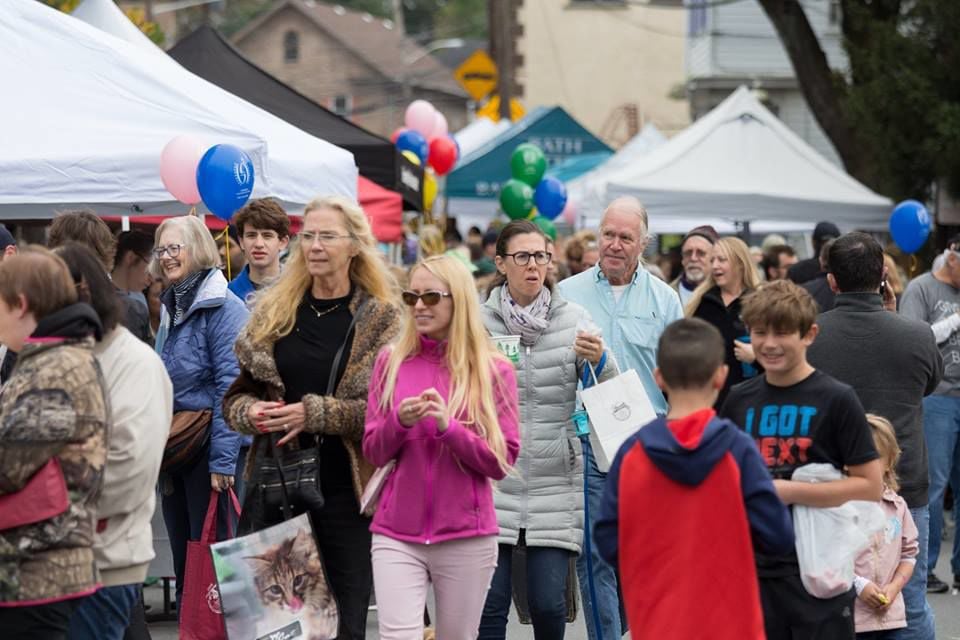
(383,207)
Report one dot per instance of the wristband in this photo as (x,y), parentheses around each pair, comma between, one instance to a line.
(860,584)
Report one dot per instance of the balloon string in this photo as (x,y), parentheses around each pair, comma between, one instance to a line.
(913,264)
(193,211)
(227,235)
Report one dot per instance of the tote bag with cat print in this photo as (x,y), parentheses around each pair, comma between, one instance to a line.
(273,585)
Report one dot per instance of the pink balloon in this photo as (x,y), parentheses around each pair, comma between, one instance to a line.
(440,128)
(421,117)
(178,168)
(569,213)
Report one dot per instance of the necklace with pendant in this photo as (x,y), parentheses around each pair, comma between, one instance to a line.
(320,314)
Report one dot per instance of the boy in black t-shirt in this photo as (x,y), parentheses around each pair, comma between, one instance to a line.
(798,415)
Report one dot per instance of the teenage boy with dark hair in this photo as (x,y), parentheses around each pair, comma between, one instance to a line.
(704,484)
(799,415)
(264,229)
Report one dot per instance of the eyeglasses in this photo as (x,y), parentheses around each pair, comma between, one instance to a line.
(323,237)
(430,298)
(172,250)
(522,258)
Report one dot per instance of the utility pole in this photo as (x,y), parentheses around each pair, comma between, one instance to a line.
(398,22)
(500,15)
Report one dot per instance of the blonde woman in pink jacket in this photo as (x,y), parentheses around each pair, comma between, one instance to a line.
(443,407)
(884,567)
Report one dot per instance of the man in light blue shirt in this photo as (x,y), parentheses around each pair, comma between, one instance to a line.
(632,308)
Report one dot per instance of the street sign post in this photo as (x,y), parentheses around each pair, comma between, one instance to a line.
(477,75)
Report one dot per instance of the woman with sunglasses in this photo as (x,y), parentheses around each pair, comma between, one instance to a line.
(335,295)
(541,507)
(199,321)
(443,407)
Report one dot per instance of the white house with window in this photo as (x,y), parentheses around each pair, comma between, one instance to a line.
(734,43)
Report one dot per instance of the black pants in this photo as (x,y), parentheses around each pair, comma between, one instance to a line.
(343,536)
(790,613)
(41,622)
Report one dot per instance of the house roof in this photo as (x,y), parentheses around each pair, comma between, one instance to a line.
(374,40)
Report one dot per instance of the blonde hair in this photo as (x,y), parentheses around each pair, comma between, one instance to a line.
(201,247)
(275,312)
(738,253)
(893,274)
(470,357)
(885,439)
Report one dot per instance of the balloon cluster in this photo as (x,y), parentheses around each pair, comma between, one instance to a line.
(426,140)
(220,176)
(910,225)
(528,194)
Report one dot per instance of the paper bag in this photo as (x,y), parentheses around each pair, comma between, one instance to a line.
(617,408)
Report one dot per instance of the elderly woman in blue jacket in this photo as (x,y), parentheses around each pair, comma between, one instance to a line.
(199,322)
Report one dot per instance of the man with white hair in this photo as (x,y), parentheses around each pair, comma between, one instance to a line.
(632,308)
(934,298)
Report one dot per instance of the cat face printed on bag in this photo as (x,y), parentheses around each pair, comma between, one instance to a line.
(289,578)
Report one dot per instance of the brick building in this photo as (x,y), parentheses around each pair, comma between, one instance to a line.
(356,64)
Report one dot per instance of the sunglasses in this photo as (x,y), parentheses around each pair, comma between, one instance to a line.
(430,298)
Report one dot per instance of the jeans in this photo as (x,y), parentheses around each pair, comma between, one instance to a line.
(604,576)
(941,427)
(920,621)
(104,615)
(546,593)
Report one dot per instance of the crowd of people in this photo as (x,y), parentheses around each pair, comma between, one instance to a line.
(133,367)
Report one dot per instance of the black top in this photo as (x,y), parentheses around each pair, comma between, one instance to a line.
(304,358)
(891,362)
(804,271)
(819,419)
(207,54)
(727,320)
(819,288)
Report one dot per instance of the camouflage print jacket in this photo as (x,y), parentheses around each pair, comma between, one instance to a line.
(53,405)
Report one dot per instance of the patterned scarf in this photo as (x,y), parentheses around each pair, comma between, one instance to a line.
(184,293)
(526,322)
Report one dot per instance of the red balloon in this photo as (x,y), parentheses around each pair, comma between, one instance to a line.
(396,134)
(443,154)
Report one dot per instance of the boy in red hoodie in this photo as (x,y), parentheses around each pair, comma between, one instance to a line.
(687,498)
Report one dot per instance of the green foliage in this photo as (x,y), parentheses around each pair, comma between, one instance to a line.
(903,98)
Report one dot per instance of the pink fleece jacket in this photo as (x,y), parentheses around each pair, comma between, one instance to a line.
(440,488)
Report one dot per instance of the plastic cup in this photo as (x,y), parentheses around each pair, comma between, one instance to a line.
(508,346)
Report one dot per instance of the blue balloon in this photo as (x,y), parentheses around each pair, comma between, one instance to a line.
(411,140)
(910,225)
(225,179)
(550,197)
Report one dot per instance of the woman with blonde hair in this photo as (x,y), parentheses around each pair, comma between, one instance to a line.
(199,320)
(305,358)
(717,300)
(443,407)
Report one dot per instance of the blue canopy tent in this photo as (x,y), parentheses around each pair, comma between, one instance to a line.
(473,187)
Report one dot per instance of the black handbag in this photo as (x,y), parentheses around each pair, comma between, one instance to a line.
(293,476)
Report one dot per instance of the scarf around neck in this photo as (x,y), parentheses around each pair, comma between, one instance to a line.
(185,292)
(527,322)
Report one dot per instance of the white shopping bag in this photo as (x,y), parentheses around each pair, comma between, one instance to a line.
(617,408)
(829,540)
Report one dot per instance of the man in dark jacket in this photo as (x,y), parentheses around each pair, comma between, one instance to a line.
(807,270)
(892,363)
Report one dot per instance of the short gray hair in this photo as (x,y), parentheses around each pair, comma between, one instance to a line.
(629,204)
(203,250)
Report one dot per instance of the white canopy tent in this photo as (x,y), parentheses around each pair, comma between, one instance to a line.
(478,133)
(93,112)
(740,163)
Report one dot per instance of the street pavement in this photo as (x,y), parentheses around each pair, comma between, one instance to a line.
(946,608)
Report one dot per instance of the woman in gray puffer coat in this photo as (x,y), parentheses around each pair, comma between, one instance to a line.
(541,504)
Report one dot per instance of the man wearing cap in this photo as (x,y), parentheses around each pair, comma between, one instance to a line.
(934,298)
(632,308)
(695,252)
(809,269)
(8,247)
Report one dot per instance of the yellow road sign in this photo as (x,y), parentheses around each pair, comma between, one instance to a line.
(477,75)
(491,110)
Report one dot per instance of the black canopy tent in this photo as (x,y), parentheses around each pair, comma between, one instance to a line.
(207,54)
